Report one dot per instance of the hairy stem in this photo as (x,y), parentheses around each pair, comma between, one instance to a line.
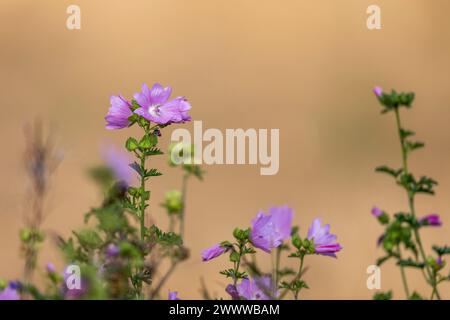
(410,195)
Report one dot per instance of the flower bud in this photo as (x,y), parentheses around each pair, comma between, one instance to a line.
(173,202)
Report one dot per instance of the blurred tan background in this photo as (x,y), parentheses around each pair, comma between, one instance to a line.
(305,67)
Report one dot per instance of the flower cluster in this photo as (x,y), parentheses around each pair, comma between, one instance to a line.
(151,104)
(269,233)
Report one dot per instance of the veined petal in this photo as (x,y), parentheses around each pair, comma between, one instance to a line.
(159,94)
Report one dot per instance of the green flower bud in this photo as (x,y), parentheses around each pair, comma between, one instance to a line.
(173,202)
(296,241)
(3,284)
(25,235)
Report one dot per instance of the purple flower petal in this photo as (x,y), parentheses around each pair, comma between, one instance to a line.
(118,113)
(269,231)
(378,91)
(232,291)
(173,295)
(112,250)
(259,288)
(10,293)
(213,252)
(431,220)
(156,108)
(377,212)
(324,241)
(119,163)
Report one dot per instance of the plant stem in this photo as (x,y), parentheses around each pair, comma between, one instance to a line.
(410,194)
(276,266)
(183,201)
(402,271)
(237,265)
(163,280)
(142,215)
(297,277)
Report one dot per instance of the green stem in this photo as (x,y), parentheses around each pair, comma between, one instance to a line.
(402,271)
(183,201)
(299,275)
(237,265)
(410,194)
(142,214)
(276,266)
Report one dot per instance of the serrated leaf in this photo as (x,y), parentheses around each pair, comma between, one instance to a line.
(441,250)
(389,171)
(153,152)
(413,145)
(382,260)
(152,173)
(410,263)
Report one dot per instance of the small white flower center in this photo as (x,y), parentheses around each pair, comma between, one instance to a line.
(154,110)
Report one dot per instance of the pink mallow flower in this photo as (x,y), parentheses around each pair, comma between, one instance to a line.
(213,252)
(431,220)
(10,292)
(258,288)
(378,91)
(118,113)
(269,231)
(377,212)
(156,107)
(324,241)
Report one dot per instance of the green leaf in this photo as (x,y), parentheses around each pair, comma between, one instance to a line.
(389,171)
(88,239)
(286,272)
(153,152)
(152,173)
(406,133)
(131,144)
(413,145)
(382,260)
(441,250)
(234,256)
(148,141)
(230,273)
(410,263)
(415,296)
(383,295)
(164,238)
(296,241)
(406,218)
(425,185)
(134,105)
